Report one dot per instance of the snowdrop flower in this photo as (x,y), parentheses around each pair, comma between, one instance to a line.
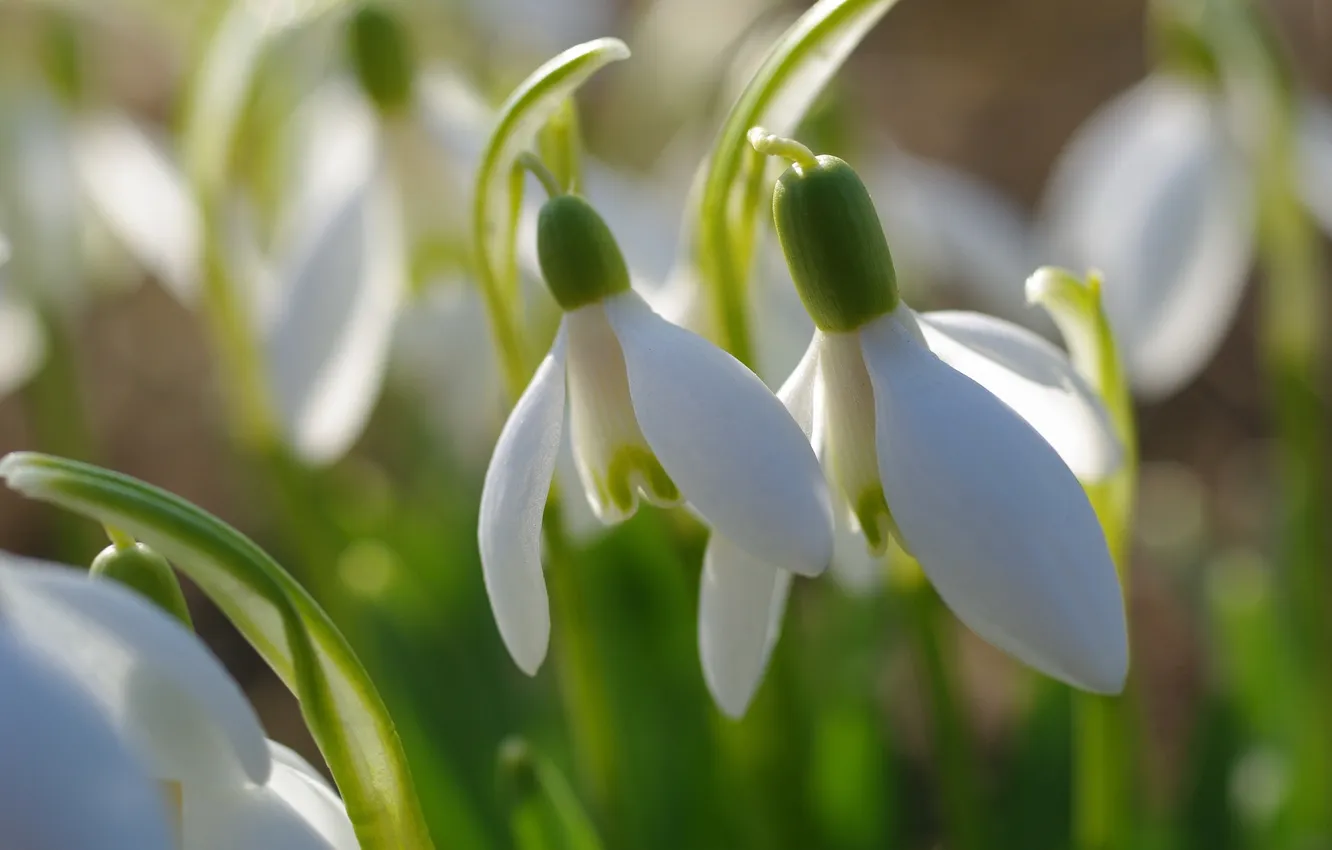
(1156,191)
(159,748)
(655,412)
(953,432)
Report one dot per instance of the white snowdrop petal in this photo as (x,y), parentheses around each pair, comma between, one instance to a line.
(613,458)
(246,817)
(999,524)
(143,197)
(728,443)
(1315,163)
(798,391)
(138,663)
(47,208)
(513,500)
(22,343)
(1034,378)
(69,782)
(307,793)
(1152,193)
(343,279)
(741,601)
(454,114)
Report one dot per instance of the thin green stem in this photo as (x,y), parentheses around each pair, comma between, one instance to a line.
(1292,348)
(964,819)
(581,677)
(119,539)
(533,164)
(55,407)
(770,144)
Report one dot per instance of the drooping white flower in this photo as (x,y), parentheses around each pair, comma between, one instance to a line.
(155,709)
(952,432)
(1157,191)
(655,412)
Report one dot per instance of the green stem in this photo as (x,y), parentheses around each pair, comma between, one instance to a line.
(964,819)
(581,677)
(1291,345)
(59,418)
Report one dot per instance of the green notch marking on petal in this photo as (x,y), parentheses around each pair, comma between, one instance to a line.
(876,521)
(634,468)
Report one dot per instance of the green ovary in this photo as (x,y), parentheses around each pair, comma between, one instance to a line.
(636,467)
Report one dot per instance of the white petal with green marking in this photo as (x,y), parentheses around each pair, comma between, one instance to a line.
(726,441)
(614,461)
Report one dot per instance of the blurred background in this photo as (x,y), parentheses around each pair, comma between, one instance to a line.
(956,111)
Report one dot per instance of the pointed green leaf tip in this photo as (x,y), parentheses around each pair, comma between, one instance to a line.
(579,257)
(146,572)
(833,242)
(382,54)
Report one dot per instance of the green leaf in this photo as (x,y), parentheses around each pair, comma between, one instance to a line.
(297,639)
(497,199)
(791,77)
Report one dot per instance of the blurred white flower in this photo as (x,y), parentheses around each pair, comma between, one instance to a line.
(145,715)
(1155,190)
(22,343)
(654,411)
(61,171)
(338,277)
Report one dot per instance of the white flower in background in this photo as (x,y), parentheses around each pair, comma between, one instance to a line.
(22,345)
(327,305)
(72,173)
(654,412)
(1156,191)
(122,730)
(956,433)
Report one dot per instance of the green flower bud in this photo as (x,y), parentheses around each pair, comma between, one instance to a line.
(383,57)
(148,573)
(834,244)
(579,257)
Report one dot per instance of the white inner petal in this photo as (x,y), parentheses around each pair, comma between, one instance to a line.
(614,461)
(741,603)
(846,398)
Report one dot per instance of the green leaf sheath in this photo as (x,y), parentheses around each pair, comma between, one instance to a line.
(297,639)
(496,200)
(795,71)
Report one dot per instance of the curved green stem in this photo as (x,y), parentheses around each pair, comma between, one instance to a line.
(964,819)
